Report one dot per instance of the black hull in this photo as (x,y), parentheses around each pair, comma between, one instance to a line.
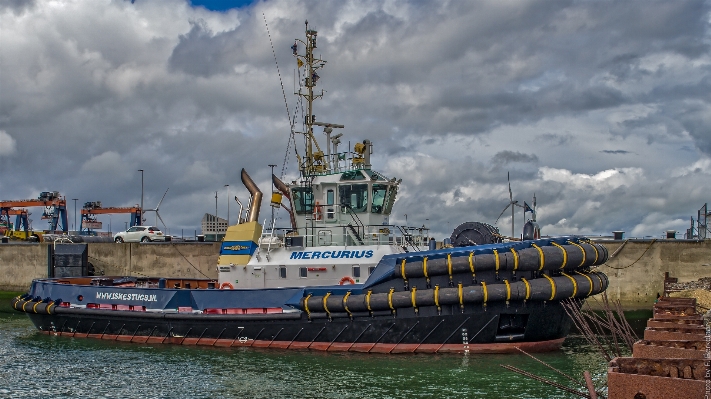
(476,329)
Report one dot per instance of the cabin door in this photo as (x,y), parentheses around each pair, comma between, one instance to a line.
(329,201)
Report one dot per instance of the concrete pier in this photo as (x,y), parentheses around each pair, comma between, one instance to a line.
(636,271)
(21,263)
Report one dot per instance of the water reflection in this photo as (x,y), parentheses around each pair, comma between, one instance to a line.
(37,365)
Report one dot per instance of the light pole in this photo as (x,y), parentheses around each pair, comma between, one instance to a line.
(228,204)
(109,224)
(75,213)
(272,166)
(140,222)
(215,215)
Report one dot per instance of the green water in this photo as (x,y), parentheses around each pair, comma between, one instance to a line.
(37,365)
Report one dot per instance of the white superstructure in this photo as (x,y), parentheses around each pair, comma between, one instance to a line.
(339,211)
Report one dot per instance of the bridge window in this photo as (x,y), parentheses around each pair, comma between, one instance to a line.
(303,273)
(356,271)
(355,197)
(371,269)
(303,200)
(379,191)
(282,272)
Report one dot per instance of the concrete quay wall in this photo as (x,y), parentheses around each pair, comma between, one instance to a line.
(21,263)
(636,271)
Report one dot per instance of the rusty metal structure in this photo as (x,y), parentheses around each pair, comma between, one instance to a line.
(669,362)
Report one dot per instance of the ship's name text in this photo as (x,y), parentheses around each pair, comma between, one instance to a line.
(331,254)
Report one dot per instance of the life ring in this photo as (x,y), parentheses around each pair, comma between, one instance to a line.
(318,212)
(346,279)
(226,285)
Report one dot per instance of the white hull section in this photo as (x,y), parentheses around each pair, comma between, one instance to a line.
(310,266)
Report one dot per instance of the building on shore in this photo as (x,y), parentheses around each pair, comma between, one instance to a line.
(213,227)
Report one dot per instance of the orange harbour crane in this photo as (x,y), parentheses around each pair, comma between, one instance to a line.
(55,210)
(93,208)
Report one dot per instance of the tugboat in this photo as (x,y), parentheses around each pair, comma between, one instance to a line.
(340,277)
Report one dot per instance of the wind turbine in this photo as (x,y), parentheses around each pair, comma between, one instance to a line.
(513,204)
(158,207)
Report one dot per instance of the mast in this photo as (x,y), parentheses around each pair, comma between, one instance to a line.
(315,162)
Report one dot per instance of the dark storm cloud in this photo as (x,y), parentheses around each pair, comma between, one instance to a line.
(218,53)
(453,96)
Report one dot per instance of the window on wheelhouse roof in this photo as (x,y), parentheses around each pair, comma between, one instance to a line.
(355,197)
(303,200)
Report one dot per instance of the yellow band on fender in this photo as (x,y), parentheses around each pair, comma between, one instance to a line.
(471,262)
(449,265)
(496,259)
(575,284)
(483,289)
(367,300)
(515,256)
(325,308)
(390,298)
(424,267)
(345,303)
(49,308)
(565,255)
(552,286)
(461,294)
(596,254)
(436,295)
(414,302)
(34,308)
(508,290)
(581,250)
(541,256)
(306,305)
(589,280)
(528,288)
(402,270)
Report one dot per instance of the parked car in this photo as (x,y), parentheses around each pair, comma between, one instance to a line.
(140,234)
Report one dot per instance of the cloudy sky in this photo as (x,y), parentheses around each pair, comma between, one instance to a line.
(602,109)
